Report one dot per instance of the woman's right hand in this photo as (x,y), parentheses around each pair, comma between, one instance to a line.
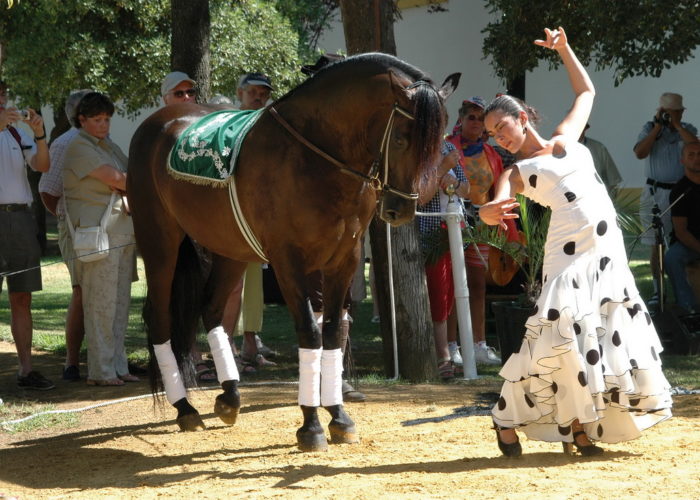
(495,213)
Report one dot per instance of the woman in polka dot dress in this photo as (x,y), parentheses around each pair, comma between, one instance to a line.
(588,368)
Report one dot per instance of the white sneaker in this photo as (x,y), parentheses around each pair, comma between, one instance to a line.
(486,355)
(455,354)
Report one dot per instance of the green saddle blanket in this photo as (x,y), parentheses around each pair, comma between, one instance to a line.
(206,152)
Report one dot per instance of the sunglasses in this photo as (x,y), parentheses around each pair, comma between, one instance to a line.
(181,93)
(472,118)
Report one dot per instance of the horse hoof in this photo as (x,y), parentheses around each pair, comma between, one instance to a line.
(227,413)
(343,434)
(311,441)
(190,422)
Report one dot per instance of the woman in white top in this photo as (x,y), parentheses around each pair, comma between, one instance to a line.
(588,368)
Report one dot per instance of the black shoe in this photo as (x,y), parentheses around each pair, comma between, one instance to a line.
(508,449)
(71,373)
(587,450)
(35,381)
(350,395)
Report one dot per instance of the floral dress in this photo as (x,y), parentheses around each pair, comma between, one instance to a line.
(590,351)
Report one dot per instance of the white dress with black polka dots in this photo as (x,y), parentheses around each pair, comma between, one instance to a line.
(590,351)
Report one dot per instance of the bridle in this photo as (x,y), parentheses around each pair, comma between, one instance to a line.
(372,179)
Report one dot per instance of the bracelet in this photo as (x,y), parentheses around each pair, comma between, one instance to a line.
(40,138)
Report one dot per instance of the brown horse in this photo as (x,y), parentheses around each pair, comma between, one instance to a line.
(311,171)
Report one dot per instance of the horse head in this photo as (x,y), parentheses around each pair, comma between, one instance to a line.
(411,145)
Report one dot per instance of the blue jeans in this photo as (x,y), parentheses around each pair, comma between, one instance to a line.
(677,257)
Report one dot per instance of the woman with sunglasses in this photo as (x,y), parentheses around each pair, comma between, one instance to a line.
(588,368)
(482,165)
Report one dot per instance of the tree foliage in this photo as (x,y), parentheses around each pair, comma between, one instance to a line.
(634,38)
(122,47)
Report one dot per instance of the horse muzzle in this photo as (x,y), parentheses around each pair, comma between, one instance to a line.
(396,210)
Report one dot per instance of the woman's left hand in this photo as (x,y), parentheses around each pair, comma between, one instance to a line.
(494,213)
(556,39)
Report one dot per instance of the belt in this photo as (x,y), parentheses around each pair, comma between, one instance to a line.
(662,185)
(14,207)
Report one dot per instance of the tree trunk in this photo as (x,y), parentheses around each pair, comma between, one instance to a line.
(369,26)
(190,24)
(516,86)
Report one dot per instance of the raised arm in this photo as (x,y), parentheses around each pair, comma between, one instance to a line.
(575,120)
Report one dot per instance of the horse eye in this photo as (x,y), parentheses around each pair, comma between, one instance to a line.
(400,140)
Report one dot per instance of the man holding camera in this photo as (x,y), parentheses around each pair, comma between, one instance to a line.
(19,246)
(660,143)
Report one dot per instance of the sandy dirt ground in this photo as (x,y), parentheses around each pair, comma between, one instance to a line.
(417,441)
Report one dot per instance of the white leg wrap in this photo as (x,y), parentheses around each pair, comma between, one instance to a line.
(346,315)
(331,377)
(169,372)
(319,319)
(220,346)
(310,377)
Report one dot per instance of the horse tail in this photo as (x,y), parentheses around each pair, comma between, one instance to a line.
(428,126)
(186,300)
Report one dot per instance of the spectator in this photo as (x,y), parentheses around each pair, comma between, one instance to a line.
(19,246)
(660,143)
(438,268)
(685,214)
(246,307)
(95,167)
(178,87)
(602,160)
(483,166)
(254,90)
(51,192)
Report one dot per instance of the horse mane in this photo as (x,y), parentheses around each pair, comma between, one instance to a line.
(429,112)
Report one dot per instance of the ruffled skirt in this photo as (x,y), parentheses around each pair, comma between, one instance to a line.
(590,353)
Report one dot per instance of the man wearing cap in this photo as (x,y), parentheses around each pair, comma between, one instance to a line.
(51,192)
(660,144)
(253,90)
(19,246)
(178,87)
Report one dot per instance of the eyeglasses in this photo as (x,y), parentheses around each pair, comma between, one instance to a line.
(472,118)
(181,93)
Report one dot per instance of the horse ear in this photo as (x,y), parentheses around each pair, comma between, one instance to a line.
(449,85)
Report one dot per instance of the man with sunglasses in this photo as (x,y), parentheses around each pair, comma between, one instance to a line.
(178,87)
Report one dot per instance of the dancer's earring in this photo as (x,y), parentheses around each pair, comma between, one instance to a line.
(524,129)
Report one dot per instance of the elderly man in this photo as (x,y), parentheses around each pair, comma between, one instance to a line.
(51,192)
(660,143)
(178,87)
(19,246)
(686,228)
(253,92)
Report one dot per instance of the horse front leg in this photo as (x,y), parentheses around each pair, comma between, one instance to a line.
(341,427)
(293,284)
(223,278)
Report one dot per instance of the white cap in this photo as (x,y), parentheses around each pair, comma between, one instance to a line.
(174,79)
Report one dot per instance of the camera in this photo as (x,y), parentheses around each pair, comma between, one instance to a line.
(666,118)
(24,114)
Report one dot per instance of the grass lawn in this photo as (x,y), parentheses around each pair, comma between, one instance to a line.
(49,308)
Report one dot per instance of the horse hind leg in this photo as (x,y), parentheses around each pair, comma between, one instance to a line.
(188,418)
(224,275)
